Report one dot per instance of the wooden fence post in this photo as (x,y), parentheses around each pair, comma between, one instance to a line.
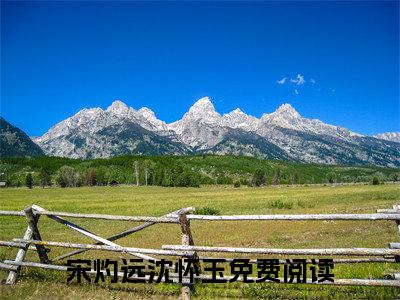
(187,240)
(396,207)
(396,257)
(32,232)
(12,276)
(32,222)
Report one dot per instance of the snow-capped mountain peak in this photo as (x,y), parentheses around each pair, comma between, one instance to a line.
(88,112)
(287,117)
(286,110)
(238,119)
(118,107)
(284,116)
(203,109)
(236,111)
(201,113)
(147,113)
(203,102)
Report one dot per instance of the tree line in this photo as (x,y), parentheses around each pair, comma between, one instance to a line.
(141,174)
(180,171)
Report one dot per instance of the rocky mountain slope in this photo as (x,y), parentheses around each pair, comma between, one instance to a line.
(283,134)
(94,133)
(389,136)
(15,142)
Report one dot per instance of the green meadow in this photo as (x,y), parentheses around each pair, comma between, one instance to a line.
(156,201)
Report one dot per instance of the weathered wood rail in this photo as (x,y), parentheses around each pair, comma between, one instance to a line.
(32,240)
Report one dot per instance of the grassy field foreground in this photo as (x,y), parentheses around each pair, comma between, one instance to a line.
(156,201)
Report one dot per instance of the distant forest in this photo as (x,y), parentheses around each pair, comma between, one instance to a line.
(180,171)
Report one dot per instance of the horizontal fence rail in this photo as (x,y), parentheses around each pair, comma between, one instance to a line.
(22,242)
(332,251)
(350,217)
(12,213)
(175,219)
(335,260)
(32,241)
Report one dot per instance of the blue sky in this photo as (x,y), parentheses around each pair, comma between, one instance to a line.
(59,57)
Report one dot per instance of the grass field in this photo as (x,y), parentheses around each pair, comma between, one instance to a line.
(155,201)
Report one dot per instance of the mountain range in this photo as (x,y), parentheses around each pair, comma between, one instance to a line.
(283,134)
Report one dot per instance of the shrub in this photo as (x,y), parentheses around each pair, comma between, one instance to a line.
(280,204)
(79,179)
(303,204)
(330,177)
(378,178)
(258,178)
(222,179)
(396,177)
(207,211)
(236,184)
(375,180)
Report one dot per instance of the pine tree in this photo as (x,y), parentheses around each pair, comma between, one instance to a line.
(45,178)
(258,178)
(29,180)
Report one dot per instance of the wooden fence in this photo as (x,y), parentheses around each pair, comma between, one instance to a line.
(32,240)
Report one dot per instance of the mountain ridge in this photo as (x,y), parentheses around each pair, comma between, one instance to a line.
(203,129)
(389,136)
(15,142)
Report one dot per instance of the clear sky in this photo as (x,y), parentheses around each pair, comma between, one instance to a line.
(60,57)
